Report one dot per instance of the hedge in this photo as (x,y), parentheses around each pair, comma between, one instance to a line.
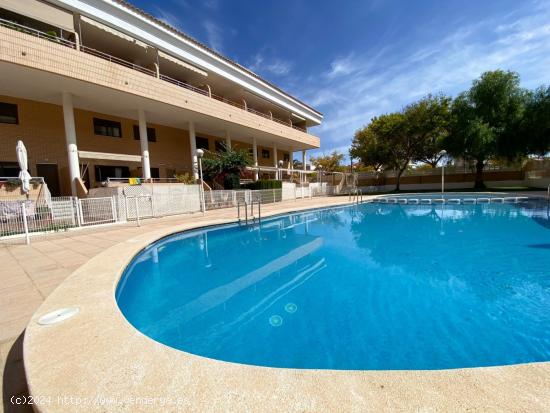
(263,184)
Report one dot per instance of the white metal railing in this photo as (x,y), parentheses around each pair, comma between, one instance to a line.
(22,219)
(144,70)
(36,33)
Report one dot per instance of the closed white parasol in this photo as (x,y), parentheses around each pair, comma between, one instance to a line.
(24,175)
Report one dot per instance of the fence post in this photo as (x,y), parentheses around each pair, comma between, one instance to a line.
(152,206)
(73,213)
(126,207)
(76,203)
(137,210)
(114,209)
(25,223)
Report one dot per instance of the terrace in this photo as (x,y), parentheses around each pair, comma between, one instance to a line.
(166,68)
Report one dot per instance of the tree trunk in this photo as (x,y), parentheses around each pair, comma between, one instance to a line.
(479,175)
(398,179)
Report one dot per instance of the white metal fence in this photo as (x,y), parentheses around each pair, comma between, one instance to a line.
(23,219)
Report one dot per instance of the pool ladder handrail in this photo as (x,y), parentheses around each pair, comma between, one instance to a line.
(356,196)
(245,205)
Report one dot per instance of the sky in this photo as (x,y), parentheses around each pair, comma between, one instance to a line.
(355,59)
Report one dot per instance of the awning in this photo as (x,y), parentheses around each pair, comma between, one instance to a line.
(42,12)
(181,63)
(112,31)
(109,156)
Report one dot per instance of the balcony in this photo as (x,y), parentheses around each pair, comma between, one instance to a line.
(57,42)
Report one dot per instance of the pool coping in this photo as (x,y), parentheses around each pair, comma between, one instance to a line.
(97,361)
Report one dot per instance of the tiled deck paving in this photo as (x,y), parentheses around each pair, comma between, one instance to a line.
(30,273)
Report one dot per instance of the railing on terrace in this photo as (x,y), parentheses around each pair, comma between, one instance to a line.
(144,70)
(126,181)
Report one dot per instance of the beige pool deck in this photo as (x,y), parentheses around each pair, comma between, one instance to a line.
(96,361)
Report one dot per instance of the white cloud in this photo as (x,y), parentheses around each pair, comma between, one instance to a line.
(275,66)
(167,17)
(213,35)
(343,66)
(357,87)
(211,4)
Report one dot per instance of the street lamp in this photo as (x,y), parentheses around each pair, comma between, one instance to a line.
(280,171)
(200,154)
(441,155)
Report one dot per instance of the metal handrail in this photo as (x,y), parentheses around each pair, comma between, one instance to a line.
(356,196)
(133,66)
(36,33)
(239,203)
(117,60)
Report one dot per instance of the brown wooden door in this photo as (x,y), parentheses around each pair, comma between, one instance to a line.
(49,172)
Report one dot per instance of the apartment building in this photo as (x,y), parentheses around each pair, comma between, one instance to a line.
(99,89)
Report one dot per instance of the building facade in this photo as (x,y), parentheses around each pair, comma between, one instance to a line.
(99,89)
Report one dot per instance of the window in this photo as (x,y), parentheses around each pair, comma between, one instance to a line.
(102,172)
(151,134)
(9,169)
(105,127)
(265,153)
(202,143)
(8,113)
(220,146)
(155,173)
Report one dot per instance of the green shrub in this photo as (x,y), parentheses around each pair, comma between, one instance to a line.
(263,184)
(231,181)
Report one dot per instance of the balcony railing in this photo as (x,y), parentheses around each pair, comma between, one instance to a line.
(129,65)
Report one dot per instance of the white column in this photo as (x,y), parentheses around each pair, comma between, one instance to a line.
(255,157)
(145,165)
(70,137)
(227,140)
(275,155)
(304,160)
(193,147)
(291,158)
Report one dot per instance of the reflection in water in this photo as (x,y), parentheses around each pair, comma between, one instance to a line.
(363,287)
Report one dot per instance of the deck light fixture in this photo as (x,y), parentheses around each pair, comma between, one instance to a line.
(441,154)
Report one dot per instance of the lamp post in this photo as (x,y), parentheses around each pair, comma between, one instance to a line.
(441,155)
(200,154)
(280,170)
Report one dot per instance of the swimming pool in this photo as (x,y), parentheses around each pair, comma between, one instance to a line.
(353,288)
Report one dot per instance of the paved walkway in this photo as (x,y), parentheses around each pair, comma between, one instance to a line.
(29,273)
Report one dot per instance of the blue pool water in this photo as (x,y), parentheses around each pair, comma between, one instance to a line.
(353,288)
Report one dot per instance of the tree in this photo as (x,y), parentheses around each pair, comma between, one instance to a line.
(536,122)
(296,164)
(328,163)
(428,122)
(226,166)
(484,120)
(386,143)
(370,147)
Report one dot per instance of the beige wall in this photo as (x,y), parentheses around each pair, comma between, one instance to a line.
(42,130)
(28,51)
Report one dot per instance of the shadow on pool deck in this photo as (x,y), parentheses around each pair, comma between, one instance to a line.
(14,382)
